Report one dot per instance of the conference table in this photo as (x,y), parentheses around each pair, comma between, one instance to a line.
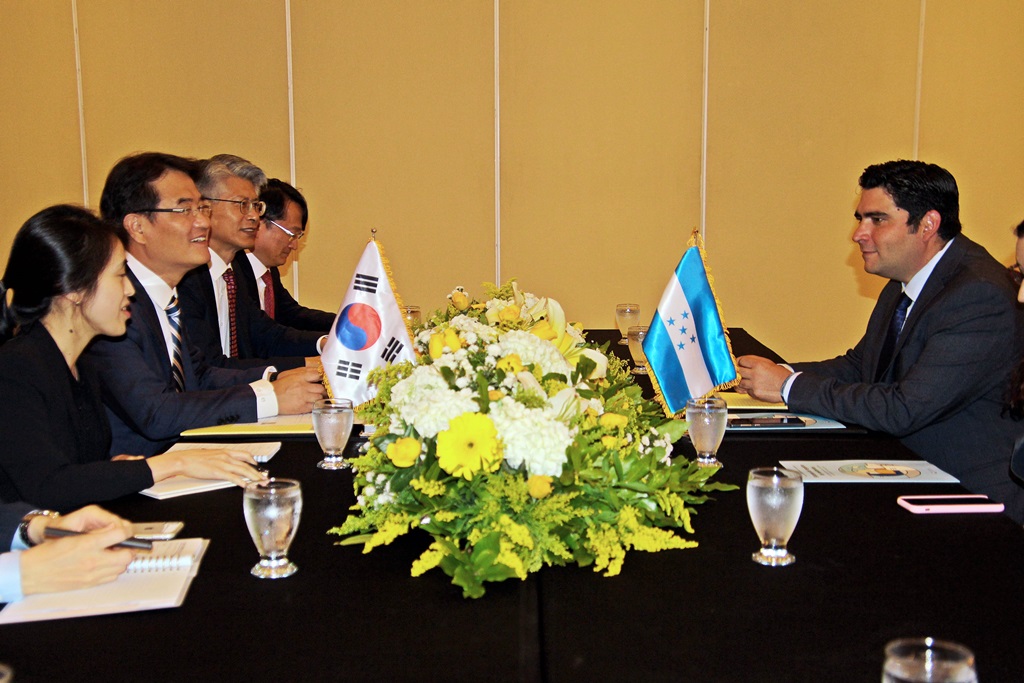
(867,571)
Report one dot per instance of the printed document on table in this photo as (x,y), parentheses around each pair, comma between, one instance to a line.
(172,487)
(281,425)
(809,422)
(737,401)
(864,471)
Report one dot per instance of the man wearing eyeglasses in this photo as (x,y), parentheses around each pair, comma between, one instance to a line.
(154,382)
(283,225)
(217,307)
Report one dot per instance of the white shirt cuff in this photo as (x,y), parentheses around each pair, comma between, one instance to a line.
(266,399)
(10,576)
(787,384)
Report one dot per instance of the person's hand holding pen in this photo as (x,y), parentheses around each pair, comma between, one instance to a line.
(83,560)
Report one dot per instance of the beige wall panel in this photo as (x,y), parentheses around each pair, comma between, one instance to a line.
(971,119)
(803,96)
(394,113)
(187,77)
(600,149)
(39,145)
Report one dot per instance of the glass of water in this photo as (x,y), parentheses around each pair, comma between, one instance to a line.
(412,316)
(707,418)
(272,510)
(929,660)
(774,498)
(626,316)
(635,338)
(332,423)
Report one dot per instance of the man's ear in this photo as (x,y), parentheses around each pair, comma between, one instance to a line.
(133,224)
(930,222)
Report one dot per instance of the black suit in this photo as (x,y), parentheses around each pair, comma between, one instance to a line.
(146,412)
(10,517)
(55,433)
(261,341)
(287,310)
(944,392)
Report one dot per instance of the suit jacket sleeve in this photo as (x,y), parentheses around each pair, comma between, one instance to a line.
(10,518)
(953,351)
(290,312)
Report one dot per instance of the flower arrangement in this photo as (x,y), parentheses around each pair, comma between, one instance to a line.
(515,444)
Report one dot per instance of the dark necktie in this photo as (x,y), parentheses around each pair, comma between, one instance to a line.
(229,280)
(899,317)
(268,294)
(177,373)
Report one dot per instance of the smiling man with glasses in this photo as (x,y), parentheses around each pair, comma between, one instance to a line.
(283,226)
(219,309)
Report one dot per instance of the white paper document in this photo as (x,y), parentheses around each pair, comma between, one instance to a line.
(867,471)
(809,422)
(172,487)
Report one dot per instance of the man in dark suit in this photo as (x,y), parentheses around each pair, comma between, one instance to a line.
(154,382)
(59,564)
(283,225)
(935,362)
(218,309)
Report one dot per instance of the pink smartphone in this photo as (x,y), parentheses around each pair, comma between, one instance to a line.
(955,503)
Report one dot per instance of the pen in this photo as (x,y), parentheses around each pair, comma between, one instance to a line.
(134,543)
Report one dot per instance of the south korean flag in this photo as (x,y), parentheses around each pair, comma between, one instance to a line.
(369,331)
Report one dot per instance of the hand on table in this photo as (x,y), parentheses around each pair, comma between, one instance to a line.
(761,378)
(74,562)
(297,390)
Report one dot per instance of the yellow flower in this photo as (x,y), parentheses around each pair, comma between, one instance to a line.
(470,444)
(614,421)
(509,314)
(539,485)
(544,330)
(436,345)
(512,364)
(460,300)
(495,395)
(609,442)
(404,452)
(451,340)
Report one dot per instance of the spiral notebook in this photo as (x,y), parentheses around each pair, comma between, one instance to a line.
(155,579)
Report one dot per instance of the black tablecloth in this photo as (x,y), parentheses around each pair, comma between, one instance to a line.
(867,571)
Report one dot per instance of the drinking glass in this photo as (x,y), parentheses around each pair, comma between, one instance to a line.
(926,659)
(707,418)
(635,338)
(626,316)
(332,424)
(774,498)
(412,315)
(272,509)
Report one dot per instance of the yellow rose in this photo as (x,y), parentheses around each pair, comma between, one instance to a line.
(404,452)
(436,345)
(512,364)
(451,340)
(460,300)
(614,421)
(470,444)
(610,442)
(544,330)
(509,314)
(539,486)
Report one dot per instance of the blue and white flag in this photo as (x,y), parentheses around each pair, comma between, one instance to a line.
(686,345)
(369,331)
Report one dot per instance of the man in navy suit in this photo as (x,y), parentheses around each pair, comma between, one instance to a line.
(935,362)
(218,308)
(154,382)
(283,224)
(58,564)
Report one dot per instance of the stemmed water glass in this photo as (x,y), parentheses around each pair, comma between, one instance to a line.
(626,315)
(929,660)
(635,338)
(272,510)
(774,498)
(707,418)
(332,424)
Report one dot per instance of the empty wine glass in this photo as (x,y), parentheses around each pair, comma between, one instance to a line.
(928,660)
(626,315)
(272,510)
(707,418)
(332,424)
(774,498)
(635,338)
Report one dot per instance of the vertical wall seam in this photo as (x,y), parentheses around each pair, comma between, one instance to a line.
(81,105)
(497,149)
(919,81)
(704,123)
(291,125)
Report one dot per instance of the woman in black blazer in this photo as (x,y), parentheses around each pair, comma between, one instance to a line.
(64,284)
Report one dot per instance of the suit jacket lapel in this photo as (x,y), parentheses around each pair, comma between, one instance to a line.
(145,316)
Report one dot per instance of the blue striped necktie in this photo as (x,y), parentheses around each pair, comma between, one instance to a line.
(899,316)
(177,373)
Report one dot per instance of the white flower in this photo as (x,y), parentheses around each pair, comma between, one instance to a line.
(531,437)
(424,401)
(532,349)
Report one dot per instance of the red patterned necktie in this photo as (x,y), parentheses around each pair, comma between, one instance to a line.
(229,280)
(268,294)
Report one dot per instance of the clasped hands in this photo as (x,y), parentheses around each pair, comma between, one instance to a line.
(761,378)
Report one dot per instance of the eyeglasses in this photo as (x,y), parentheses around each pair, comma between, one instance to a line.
(291,235)
(204,210)
(244,205)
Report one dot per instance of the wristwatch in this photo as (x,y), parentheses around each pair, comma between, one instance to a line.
(29,516)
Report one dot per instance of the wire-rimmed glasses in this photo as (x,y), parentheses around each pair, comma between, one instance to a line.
(292,235)
(244,205)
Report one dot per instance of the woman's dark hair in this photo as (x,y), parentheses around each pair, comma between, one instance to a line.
(61,249)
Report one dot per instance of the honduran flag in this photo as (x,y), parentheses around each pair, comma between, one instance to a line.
(686,346)
(369,331)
